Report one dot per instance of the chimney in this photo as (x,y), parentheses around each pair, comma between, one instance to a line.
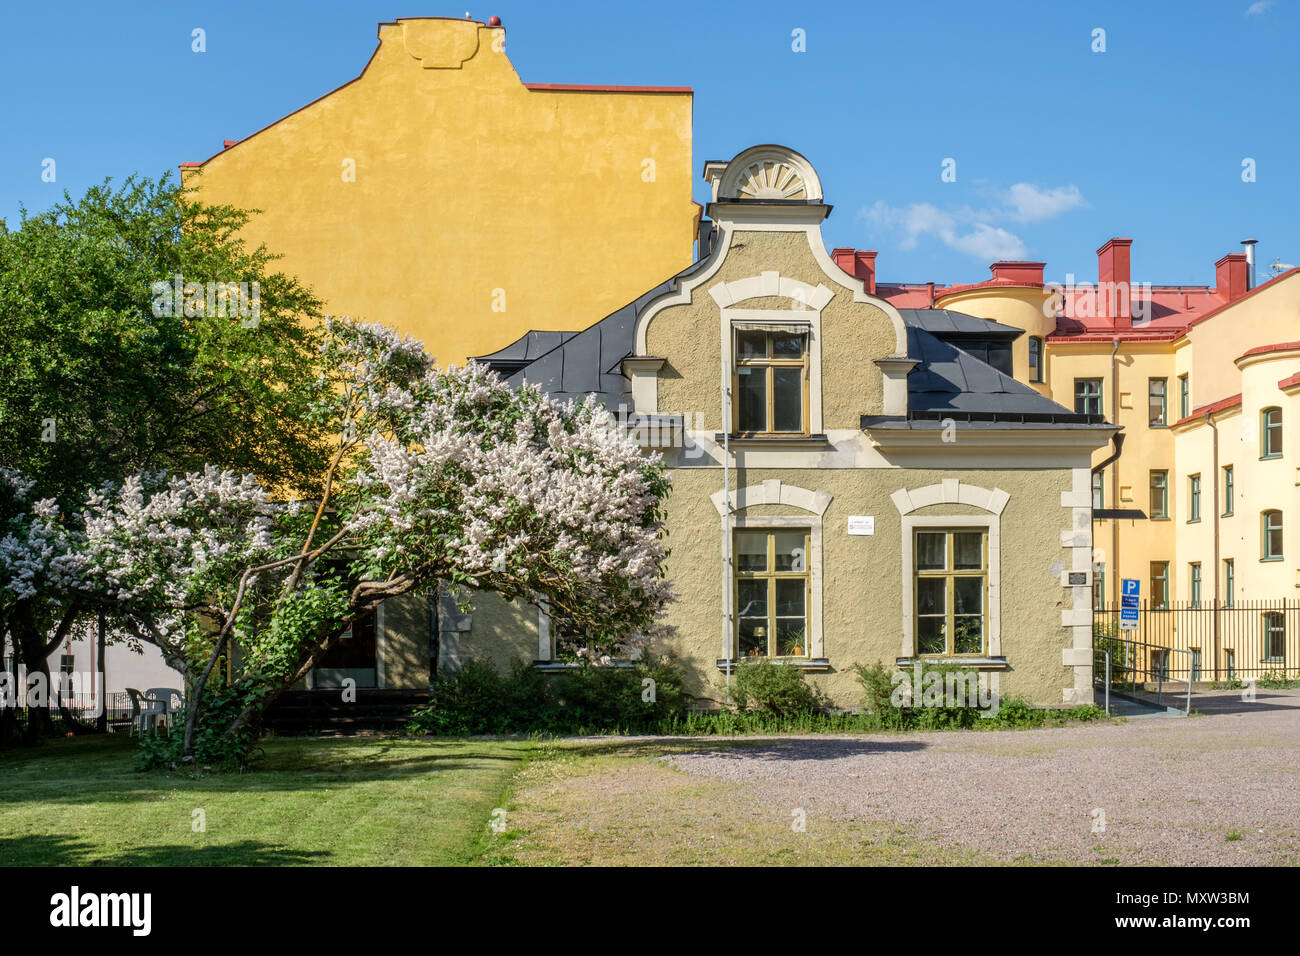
(1232,276)
(1250,262)
(860,263)
(1019,273)
(1113,301)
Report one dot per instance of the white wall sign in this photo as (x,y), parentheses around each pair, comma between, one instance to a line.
(862,524)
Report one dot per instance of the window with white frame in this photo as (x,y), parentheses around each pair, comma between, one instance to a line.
(951,591)
(771,382)
(772,592)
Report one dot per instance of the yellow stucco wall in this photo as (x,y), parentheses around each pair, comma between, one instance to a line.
(853,334)
(480,209)
(862,575)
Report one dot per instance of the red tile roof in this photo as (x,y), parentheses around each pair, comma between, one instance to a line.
(1231,401)
(1275,347)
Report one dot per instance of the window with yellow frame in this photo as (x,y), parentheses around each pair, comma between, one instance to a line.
(951,591)
(771,592)
(771,383)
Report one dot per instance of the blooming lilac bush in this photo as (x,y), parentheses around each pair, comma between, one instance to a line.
(439,475)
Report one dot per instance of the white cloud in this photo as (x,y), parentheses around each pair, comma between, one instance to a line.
(981,240)
(977,232)
(1030,204)
(1258,7)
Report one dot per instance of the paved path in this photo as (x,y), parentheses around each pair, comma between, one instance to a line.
(1217,789)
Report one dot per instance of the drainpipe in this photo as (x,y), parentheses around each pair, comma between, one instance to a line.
(1209,420)
(1114,478)
(728,645)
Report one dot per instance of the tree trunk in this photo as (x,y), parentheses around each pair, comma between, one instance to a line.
(31,645)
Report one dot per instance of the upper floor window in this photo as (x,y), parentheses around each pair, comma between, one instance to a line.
(1087,396)
(1157,403)
(1035,359)
(1159,584)
(1194,498)
(1194,586)
(771,382)
(772,593)
(1270,428)
(1229,581)
(1098,490)
(1271,536)
(1184,397)
(1227,490)
(1159,494)
(951,587)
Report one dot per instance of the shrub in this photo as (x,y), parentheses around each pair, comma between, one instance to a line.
(767,688)
(588,699)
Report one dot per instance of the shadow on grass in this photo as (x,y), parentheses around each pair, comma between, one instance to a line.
(67,851)
(105,769)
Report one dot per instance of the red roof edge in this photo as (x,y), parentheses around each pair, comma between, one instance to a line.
(1275,347)
(1232,401)
(586,88)
(1290,381)
(1242,298)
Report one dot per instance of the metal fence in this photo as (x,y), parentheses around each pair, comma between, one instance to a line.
(1141,672)
(1249,639)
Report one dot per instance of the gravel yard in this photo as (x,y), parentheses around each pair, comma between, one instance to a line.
(1223,788)
(1217,789)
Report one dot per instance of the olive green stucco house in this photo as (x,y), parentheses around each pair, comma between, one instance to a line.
(851,482)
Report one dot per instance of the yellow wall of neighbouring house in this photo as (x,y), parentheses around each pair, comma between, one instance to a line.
(480,209)
(1269,316)
(1207,354)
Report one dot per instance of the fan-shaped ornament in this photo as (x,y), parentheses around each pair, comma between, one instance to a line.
(771,179)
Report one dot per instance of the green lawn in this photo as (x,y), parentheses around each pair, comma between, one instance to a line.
(361,801)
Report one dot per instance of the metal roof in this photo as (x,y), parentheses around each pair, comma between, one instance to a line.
(943,322)
(949,380)
(527,347)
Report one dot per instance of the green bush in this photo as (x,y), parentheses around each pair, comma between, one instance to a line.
(778,689)
(588,699)
(892,711)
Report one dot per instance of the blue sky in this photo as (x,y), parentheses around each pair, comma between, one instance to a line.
(1057,147)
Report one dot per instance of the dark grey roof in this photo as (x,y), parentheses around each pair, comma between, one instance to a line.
(946,383)
(527,347)
(950,383)
(945,321)
(590,361)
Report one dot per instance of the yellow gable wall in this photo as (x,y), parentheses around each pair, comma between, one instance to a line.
(480,209)
(1270,316)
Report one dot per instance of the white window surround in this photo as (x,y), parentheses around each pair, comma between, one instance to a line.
(774,492)
(546,647)
(952,491)
(804,315)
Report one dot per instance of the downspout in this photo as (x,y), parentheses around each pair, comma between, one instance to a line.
(1209,420)
(728,645)
(1114,478)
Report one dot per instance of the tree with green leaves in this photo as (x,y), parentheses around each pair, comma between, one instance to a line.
(123,351)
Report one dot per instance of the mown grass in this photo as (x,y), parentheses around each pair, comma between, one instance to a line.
(338,802)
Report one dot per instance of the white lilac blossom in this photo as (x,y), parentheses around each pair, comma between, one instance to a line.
(441,475)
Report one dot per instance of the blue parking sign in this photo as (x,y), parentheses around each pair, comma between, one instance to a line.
(1128,604)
